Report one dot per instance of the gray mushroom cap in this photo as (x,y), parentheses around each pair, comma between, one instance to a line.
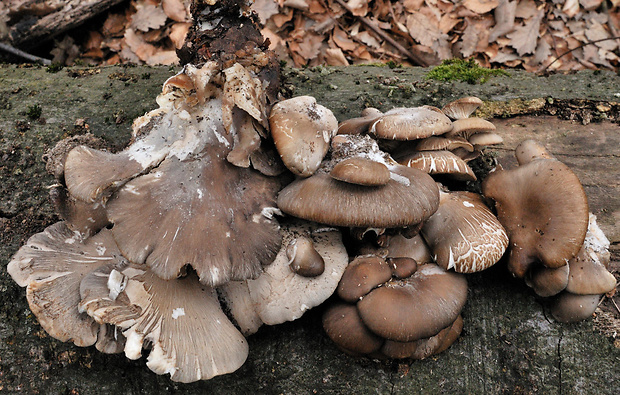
(462,108)
(191,338)
(51,266)
(410,124)
(439,162)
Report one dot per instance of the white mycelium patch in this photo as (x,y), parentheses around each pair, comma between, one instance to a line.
(178,312)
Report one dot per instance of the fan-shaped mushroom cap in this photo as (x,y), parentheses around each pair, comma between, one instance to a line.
(546,281)
(361,171)
(462,108)
(544,210)
(463,233)
(359,125)
(344,326)
(362,275)
(568,307)
(467,127)
(302,130)
(439,162)
(484,139)
(408,198)
(588,273)
(416,307)
(278,294)
(437,143)
(207,213)
(51,265)
(410,124)
(191,338)
(85,218)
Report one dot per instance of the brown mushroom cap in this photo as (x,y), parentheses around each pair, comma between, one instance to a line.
(408,198)
(304,258)
(191,338)
(51,265)
(568,307)
(85,218)
(362,275)
(529,150)
(206,213)
(416,307)
(546,281)
(361,171)
(439,162)
(302,130)
(359,125)
(437,143)
(410,124)
(344,326)
(544,210)
(402,267)
(484,139)
(463,233)
(462,108)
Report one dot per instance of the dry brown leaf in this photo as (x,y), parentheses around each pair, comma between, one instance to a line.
(114,25)
(163,58)
(504,19)
(413,5)
(138,45)
(526,9)
(469,39)
(178,32)
(595,32)
(342,40)
(282,17)
(175,10)
(148,17)
(358,7)
(447,23)
(297,4)
(590,5)
(423,30)
(368,39)
(524,38)
(309,47)
(265,9)
(335,57)
(571,8)
(481,6)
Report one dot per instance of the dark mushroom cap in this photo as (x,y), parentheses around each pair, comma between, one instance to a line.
(437,143)
(359,125)
(361,276)
(544,210)
(463,233)
(304,258)
(568,307)
(410,124)
(416,307)
(361,171)
(402,267)
(206,213)
(408,198)
(546,281)
(344,326)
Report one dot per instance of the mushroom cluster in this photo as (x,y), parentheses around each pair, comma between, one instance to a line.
(224,214)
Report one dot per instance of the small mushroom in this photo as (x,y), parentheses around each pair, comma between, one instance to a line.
(467,127)
(546,281)
(302,130)
(303,257)
(363,275)
(437,143)
(410,124)
(344,326)
(359,125)
(439,162)
(462,108)
(568,307)
(361,171)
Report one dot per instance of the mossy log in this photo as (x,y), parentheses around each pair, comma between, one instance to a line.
(509,344)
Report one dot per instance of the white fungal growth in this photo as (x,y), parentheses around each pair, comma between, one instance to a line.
(269,212)
(400,179)
(178,312)
(100,250)
(467,204)
(117,282)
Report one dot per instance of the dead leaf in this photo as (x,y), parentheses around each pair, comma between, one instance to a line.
(114,25)
(265,9)
(368,39)
(469,39)
(413,5)
(335,57)
(175,10)
(525,38)
(590,5)
(504,19)
(481,6)
(178,32)
(571,8)
(423,30)
(597,32)
(297,4)
(342,40)
(358,7)
(148,17)
(526,9)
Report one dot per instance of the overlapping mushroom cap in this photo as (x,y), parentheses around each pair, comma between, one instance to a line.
(544,209)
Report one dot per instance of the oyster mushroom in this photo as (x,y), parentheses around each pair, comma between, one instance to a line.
(410,124)
(462,108)
(544,210)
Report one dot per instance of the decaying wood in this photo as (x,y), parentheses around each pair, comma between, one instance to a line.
(31,29)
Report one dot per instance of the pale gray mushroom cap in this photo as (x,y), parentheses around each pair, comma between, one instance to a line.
(439,162)
(416,307)
(410,124)
(302,130)
(83,217)
(207,213)
(408,198)
(462,108)
(51,266)
(568,307)
(279,294)
(437,143)
(359,125)
(463,233)
(544,210)
(191,338)
(189,118)
(529,150)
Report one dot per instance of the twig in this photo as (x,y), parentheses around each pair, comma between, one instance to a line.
(18,52)
(417,60)
(580,46)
